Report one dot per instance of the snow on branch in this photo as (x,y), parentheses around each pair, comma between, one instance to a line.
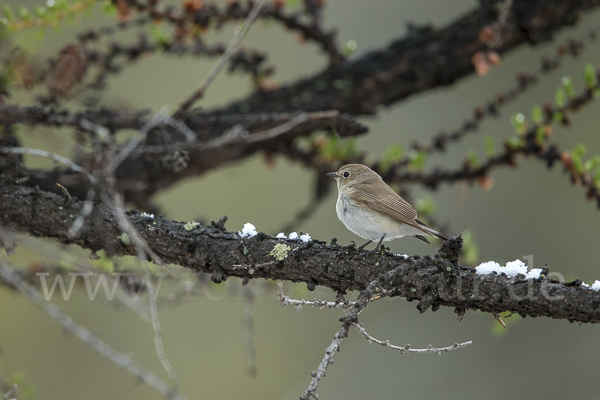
(432,281)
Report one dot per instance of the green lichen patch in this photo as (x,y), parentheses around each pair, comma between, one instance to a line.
(188,226)
(124,238)
(280,251)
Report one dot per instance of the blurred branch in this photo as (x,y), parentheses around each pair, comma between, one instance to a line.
(525,80)
(531,143)
(427,58)
(163,158)
(85,335)
(433,281)
(218,67)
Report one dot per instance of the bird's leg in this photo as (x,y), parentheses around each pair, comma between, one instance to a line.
(365,245)
(379,244)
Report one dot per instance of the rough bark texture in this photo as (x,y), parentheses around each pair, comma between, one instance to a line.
(433,281)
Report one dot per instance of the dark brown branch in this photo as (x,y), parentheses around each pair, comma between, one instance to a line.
(433,281)
(164,159)
(424,60)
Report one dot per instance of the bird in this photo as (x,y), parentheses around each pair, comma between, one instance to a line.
(371,209)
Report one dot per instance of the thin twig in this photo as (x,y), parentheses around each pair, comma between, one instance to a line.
(248,325)
(72,260)
(121,155)
(54,157)
(289,125)
(407,349)
(142,249)
(12,390)
(216,69)
(287,301)
(87,336)
(86,210)
(154,318)
(317,375)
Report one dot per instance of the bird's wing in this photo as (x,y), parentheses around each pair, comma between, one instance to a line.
(388,203)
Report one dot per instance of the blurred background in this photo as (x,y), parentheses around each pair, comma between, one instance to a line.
(529,212)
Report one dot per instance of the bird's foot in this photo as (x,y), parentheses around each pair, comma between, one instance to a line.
(378,250)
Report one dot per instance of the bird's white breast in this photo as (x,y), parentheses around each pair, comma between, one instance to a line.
(369,224)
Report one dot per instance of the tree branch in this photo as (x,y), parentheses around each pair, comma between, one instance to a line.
(423,60)
(433,281)
(163,158)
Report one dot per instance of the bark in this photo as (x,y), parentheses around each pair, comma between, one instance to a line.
(432,281)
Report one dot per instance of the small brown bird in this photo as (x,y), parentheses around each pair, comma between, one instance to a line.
(372,210)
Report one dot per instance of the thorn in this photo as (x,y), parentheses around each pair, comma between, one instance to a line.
(499,319)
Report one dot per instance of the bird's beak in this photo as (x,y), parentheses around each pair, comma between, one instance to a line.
(332,175)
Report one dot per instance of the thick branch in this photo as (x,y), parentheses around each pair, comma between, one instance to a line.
(425,59)
(433,281)
(166,157)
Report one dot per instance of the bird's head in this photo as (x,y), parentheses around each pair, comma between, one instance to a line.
(352,173)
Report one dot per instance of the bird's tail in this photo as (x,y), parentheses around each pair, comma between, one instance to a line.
(431,232)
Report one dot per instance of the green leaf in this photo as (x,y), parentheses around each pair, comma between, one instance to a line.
(576,156)
(350,47)
(489,146)
(540,134)
(559,97)
(18,377)
(592,163)
(40,12)
(589,75)
(417,159)
(537,114)
(109,8)
(28,393)
(579,150)
(8,13)
(425,206)
(472,158)
(567,84)
(470,251)
(158,34)
(557,116)
(518,122)
(392,155)
(515,143)
(339,149)
(62,5)
(596,177)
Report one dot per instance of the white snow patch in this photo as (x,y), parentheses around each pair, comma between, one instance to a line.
(281,235)
(534,273)
(512,268)
(305,237)
(596,286)
(293,236)
(488,267)
(585,285)
(402,255)
(248,230)
(146,215)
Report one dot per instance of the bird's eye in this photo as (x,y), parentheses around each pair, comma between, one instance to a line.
(346,174)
